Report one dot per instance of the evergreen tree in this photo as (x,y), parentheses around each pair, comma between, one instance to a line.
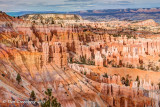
(71,60)
(137,79)
(123,80)
(127,82)
(32,96)
(50,101)
(18,78)
(105,75)
(48,92)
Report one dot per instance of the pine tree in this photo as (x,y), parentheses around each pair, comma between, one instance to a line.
(123,80)
(137,79)
(127,80)
(18,78)
(32,96)
(48,92)
(105,75)
(50,101)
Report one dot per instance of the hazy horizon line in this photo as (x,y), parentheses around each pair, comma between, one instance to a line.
(81,10)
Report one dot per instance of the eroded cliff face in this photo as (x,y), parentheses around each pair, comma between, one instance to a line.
(39,55)
(69,87)
(43,55)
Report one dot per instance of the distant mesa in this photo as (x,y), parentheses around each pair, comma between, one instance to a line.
(51,18)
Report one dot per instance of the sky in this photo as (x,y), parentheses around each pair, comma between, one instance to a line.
(73,5)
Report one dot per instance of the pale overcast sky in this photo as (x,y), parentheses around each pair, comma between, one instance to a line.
(73,5)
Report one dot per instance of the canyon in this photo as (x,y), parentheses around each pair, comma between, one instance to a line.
(86,64)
